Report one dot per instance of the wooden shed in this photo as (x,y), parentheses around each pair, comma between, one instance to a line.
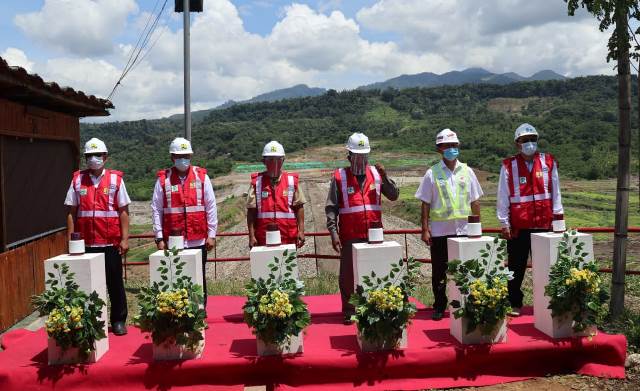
(39,150)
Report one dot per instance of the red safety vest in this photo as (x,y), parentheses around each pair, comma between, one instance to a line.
(530,202)
(358,207)
(274,206)
(98,219)
(183,204)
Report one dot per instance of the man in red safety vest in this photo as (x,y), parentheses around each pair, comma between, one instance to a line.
(184,201)
(275,197)
(353,204)
(98,208)
(528,197)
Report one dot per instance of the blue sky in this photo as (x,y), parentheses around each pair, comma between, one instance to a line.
(242,48)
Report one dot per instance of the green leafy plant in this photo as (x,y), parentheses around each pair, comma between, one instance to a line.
(382,307)
(274,309)
(171,309)
(73,317)
(483,285)
(575,288)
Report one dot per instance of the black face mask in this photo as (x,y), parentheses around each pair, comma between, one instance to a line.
(359,163)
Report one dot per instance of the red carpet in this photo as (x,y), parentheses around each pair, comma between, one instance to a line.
(331,359)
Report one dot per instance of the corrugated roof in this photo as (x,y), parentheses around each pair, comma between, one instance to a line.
(16,84)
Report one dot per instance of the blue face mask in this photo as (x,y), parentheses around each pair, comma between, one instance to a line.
(529,148)
(451,153)
(182,164)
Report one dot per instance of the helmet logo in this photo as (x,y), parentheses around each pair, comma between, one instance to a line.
(93,146)
(183,146)
(274,148)
(361,143)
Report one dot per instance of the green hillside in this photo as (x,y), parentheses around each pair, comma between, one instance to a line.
(576,118)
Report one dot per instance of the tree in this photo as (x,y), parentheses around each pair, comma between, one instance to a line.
(608,13)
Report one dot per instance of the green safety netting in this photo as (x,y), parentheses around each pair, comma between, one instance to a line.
(397,163)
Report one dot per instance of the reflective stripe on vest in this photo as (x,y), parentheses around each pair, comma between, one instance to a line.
(167,191)
(515,182)
(451,207)
(346,209)
(277,215)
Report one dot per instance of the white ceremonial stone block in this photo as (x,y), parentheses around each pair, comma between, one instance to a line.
(294,346)
(192,268)
(544,253)
(367,346)
(90,276)
(261,256)
(374,257)
(464,249)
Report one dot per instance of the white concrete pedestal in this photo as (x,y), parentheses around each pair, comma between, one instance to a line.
(191,269)
(464,249)
(261,256)
(294,346)
(90,276)
(544,253)
(367,346)
(374,257)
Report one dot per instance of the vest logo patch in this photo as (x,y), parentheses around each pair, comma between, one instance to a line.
(285,193)
(523,180)
(174,188)
(350,190)
(539,174)
(83,191)
(192,185)
(265,194)
(105,190)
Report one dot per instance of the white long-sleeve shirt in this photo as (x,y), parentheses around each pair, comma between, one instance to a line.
(502,209)
(157,207)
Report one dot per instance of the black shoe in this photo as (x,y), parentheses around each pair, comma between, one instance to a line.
(118,328)
(437,315)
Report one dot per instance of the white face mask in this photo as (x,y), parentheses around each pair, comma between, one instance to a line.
(95,162)
(529,148)
(182,164)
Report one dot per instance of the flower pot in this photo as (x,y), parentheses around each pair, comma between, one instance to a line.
(368,346)
(56,356)
(293,346)
(563,327)
(168,350)
(497,335)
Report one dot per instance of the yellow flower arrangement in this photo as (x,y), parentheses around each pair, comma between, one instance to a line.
(276,305)
(590,278)
(387,299)
(481,294)
(175,302)
(64,320)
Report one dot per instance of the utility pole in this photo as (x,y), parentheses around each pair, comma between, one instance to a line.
(624,141)
(186,7)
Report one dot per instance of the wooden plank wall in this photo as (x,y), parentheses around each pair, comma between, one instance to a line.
(22,276)
(27,121)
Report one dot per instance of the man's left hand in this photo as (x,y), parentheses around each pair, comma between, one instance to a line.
(124,246)
(300,241)
(381,170)
(210,243)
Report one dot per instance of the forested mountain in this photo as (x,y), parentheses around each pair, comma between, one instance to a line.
(576,118)
(454,78)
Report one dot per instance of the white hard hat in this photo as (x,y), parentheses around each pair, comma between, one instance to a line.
(525,130)
(446,136)
(95,145)
(180,146)
(358,143)
(273,148)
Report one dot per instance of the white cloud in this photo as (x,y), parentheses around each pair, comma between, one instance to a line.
(502,35)
(16,57)
(318,48)
(82,27)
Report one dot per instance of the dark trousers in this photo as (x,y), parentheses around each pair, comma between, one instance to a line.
(203,249)
(115,285)
(518,250)
(346,275)
(439,261)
